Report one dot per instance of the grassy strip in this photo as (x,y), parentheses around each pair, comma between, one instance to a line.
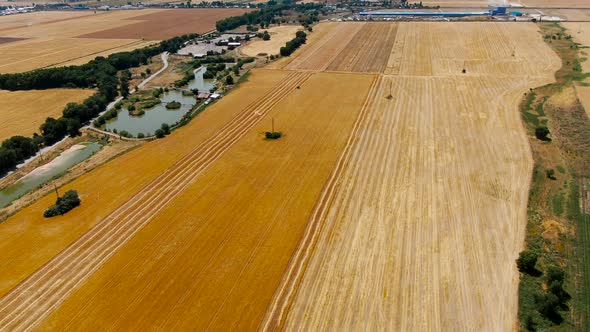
(557,229)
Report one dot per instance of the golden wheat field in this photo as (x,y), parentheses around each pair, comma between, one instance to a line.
(386,205)
(22,112)
(50,39)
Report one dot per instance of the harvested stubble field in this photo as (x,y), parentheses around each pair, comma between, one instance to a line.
(391,202)
(280,35)
(32,19)
(422,228)
(40,53)
(22,112)
(73,39)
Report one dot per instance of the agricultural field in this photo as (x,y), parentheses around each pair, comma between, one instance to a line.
(581,34)
(44,39)
(168,23)
(32,19)
(439,209)
(279,36)
(42,53)
(395,200)
(21,111)
(580,31)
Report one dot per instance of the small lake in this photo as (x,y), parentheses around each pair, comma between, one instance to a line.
(153,118)
(45,173)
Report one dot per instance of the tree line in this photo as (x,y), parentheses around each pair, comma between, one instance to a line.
(265,15)
(293,44)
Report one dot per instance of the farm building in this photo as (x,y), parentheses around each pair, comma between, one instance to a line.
(493,12)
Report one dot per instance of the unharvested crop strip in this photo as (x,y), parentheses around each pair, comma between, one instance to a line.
(37,296)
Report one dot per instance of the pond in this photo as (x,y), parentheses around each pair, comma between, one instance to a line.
(45,173)
(153,117)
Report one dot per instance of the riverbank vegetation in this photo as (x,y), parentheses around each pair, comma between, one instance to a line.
(554,290)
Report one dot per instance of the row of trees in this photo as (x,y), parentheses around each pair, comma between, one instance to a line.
(293,44)
(266,14)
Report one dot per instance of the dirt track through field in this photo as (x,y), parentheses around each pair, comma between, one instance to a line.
(43,291)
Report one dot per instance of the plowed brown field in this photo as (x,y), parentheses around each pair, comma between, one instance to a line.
(169,23)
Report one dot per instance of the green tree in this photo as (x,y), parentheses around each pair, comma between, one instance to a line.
(23,147)
(53,130)
(165,128)
(72,127)
(160,133)
(63,204)
(542,133)
(229,80)
(526,262)
(7,159)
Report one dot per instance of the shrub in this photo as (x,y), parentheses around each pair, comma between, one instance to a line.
(165,128)
(526,262)
(541,133)
(140,135)
(229,80)
(160,133)
(273,134)
(63,204)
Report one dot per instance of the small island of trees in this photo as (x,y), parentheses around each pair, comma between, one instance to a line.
(173,105)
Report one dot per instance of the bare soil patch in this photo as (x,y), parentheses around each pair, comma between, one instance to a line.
(169,23)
